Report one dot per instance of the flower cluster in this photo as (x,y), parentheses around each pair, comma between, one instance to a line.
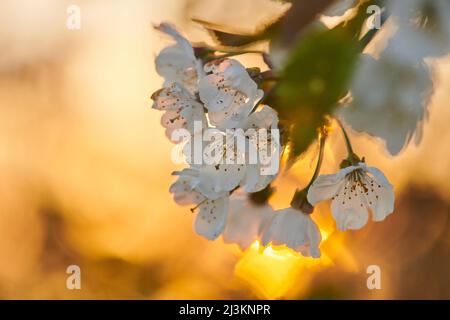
(353,191)
(211,92)
(218,94)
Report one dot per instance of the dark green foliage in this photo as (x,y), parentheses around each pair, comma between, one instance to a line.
(315,77)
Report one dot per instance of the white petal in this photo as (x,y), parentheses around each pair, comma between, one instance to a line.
(215,98)
(294,229)
(315,238)
(176,35)
(195,118)
(254,181)
(201,183)
(229,93)
(172,60)
(377,174)
(221,177)
(226,168)
(349,214)
(177,63)
(327,185)
(182,110)
(219,66)
(403,92)
(211,219)
(232,117)
(380,196)
(174,97)
(172,120)
(245,221)
(265,118)
(183,192)
(384,206)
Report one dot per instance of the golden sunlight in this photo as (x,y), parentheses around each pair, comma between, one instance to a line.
(276,271)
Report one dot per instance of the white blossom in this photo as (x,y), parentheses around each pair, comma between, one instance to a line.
(354,190)
(246,220)
(294,229)
(181,109)
(267,150)
(201,183)
(211,218)
(389,100)
(228,92)
(184,192)
(212,213)
(177,63)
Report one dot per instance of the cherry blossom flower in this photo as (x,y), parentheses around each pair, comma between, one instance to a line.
(396,109)
(240,158)
(294,229)
(177,63)
(202,183)
(212,213)
(181,110)
(228,92)
(267,150)
(211,218)
(354,190)
(184,192)
(224,164)
(246,220)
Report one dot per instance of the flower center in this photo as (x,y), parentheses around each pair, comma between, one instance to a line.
(359,189)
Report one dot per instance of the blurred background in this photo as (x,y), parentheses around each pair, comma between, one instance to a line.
(85,171)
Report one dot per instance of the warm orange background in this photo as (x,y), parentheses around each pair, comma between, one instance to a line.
(85,170)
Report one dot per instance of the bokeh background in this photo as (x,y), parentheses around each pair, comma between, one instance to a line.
(85,170)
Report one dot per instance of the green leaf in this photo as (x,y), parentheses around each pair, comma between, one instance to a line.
(233,40)
(227,37)
(315,78)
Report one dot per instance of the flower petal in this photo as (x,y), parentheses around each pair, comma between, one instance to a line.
(174,65)
(231,117)
(173,97)
(228,92)
(177,63)
(294,229)
(211,219)
(183,192)
(380,198)
(254,181)
(384,206)
(349,214)
(216,94)
(327,185)
(170,30)
(266,118)
(245,221)
(377,174)
(221,177)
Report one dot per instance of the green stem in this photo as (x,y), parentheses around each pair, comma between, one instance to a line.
(347,139)
(365,40)
(319,160)
(300,201)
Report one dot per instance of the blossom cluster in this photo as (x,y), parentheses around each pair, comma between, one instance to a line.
(201,92)
(218,94)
